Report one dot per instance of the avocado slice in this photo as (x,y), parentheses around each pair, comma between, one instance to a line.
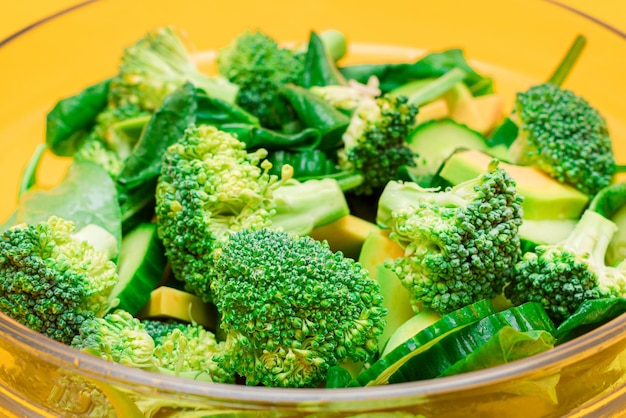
(544,197)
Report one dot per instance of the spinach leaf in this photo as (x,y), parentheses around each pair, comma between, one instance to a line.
(433,65)
(316,113)
(590,315)
(319,65)
(69,119)
(86,195)
(164,128)
(256,137)
(217,112)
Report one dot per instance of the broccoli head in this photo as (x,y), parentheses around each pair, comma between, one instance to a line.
(564,136)
(259,66)
(375,141)
(155,66)
(562,276)
(291,308)
(184,350)
(460,244)
(50,280)
(210,187)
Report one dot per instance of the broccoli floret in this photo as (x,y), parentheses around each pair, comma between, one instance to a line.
(564,136)
(291,308)
(184,350)
(210,186)
(374,142)
(562,276)
(155,66)
(259,66)
(117,337)
(51,281)
(92,149)
(190,351)
(460,244)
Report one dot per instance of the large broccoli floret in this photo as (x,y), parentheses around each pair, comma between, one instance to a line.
(155,66)
(184,350)
(210,186)
(259,66)
(460,244)
(291,308)
(375,141)
(562,276)
(563,135)
(50,280)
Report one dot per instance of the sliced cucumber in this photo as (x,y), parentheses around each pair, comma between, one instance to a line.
(409,328)
(436,140)
(380,372)
(461,343)
(141,265)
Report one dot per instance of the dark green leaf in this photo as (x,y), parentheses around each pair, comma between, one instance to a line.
(216,112)
(165,128)
(256,137)
(590,315)
(436,64)
(316,113)
(72,116)
(319,65)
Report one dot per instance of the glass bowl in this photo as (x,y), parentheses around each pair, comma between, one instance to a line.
(518,42)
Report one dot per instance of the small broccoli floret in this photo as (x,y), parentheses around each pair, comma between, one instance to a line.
(210,187)
(374,142)
(189,351)
(562,276)
(563,135)
(117,337)
(155,66)
(291,308)
(460,244)
(184,350)
(259,66)
(52,282)
(95,151)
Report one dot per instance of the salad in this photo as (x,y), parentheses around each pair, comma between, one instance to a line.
(292,222)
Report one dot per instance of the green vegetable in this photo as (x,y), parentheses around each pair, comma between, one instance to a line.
(259,66)
(319,65)
(434,142)
(460,243)
(562,276)
(563,135)
(491,339)
(385,367)
(211,186)
(590,315)
(51,281)
(432,65)
(141,265)
(29,173)
(155,66)
(294,312)
(73,116)
(179,350)
(85,196)
(375,141)
(610,202)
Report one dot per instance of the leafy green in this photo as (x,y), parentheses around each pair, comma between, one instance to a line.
(590,315)
(71,116)
(319,66)
(433,65)
(86,195)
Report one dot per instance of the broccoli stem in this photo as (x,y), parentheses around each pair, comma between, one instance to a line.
(303,206)
(565,67)
(437,87)
(592,235)
(29,175)
(99,238)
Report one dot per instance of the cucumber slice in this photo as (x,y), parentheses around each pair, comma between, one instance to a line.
(141,265)
(461,343)
(380,372)
(435,141)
